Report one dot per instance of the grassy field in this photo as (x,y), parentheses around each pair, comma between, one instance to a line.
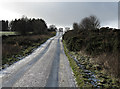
(7,33)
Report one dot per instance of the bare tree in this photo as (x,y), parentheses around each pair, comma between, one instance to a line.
(75,27)
(67,29)
(95,23)
(85,23)
(90,23)
(52,28)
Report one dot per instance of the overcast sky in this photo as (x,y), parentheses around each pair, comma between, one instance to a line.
(62,13)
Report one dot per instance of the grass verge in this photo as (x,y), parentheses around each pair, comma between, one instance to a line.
(7,33)
(85,78)
(77,72)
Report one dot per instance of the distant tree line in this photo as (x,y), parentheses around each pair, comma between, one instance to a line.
(25,26)
(52,28)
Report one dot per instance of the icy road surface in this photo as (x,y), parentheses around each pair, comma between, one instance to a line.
(47,66)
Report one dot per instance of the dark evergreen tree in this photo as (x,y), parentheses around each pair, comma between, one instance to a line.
(25,26)
(4,25)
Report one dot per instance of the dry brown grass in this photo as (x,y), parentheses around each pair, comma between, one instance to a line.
(110,63)
(9,49)
(13,46)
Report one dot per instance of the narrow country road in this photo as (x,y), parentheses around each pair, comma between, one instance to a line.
(47,66)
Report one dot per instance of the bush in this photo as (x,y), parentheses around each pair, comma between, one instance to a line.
(104,41)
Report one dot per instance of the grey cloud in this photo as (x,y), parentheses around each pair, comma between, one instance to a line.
(65,13)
